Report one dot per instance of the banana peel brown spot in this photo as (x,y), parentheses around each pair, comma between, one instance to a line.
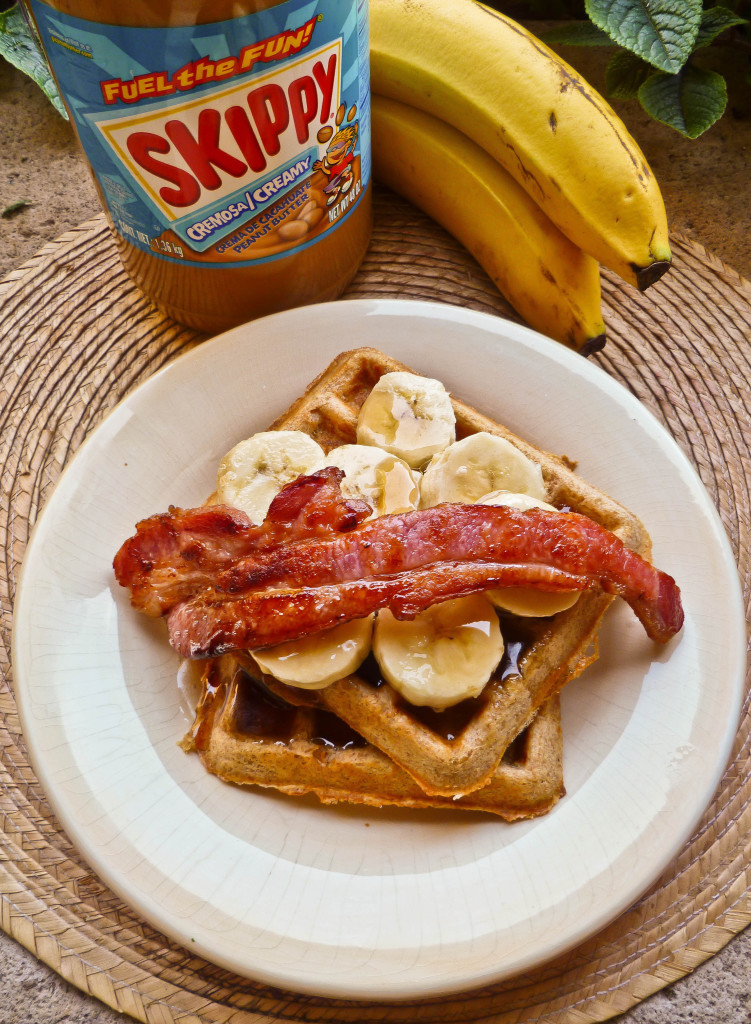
(553,122)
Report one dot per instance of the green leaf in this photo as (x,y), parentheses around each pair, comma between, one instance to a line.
(714,22)
(625,75)
(577,33)
(19,46)
(691,101)
(662,32)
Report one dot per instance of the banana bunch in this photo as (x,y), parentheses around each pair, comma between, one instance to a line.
(550,282)
(406,457)
(504,144)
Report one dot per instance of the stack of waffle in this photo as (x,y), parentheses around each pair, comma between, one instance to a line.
(358,740)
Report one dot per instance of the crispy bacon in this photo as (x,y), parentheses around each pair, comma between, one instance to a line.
(214,623)
(458,533)
(175,553)
(307,569)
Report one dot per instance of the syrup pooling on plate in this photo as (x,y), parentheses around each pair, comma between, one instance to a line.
(211,701)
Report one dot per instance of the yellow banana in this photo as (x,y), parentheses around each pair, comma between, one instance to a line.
(551,283)
(495,82)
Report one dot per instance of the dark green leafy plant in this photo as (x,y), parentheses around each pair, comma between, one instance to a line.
(659,42)
(19,46)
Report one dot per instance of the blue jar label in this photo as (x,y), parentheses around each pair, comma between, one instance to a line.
(230,142)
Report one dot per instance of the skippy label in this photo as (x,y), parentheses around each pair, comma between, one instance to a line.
(233,141)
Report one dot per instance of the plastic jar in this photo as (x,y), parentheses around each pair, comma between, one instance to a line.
(229,142)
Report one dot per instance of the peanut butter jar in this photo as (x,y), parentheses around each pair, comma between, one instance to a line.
(229,142)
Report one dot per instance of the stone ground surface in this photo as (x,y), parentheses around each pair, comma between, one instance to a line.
(707,193)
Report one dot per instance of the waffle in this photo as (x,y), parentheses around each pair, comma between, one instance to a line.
(246,734)
(458,750)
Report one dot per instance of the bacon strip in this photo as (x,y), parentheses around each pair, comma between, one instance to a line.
(536,546)
(174,554)
(249,587)
(459,533)
(214,622)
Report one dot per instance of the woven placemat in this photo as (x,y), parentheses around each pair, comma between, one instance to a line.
(75,337)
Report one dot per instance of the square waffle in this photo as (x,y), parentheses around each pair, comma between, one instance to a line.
(458,750)
(246,734)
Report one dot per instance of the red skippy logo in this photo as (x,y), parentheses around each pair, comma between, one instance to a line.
(198,72)
(204,148)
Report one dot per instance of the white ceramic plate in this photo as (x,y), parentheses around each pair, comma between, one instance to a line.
(362,903)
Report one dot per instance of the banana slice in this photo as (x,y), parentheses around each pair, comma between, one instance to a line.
(408,416)
(316,661)
(255,470)
(384,481)
(526,600)
(475,466)
(442,656)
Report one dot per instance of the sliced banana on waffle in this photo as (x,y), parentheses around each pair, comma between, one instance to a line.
(526,600)
(477,465)
(388,485)
(383,480)
(316,661)
(255,470)
(408,416)
(442,656)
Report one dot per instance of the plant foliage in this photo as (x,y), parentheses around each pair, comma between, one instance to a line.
(19,46)
(658,43)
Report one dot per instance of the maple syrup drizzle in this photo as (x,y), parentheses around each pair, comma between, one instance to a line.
(260,714)
(330,731)
(212,699)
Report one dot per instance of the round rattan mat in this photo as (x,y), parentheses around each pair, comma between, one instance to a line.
(74,338)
